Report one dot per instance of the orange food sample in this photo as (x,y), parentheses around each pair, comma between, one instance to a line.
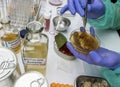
(60,85)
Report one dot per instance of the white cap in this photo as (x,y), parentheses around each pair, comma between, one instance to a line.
(31,79)
(47,15)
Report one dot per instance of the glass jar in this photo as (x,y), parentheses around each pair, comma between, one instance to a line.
(10,37)
(35,48)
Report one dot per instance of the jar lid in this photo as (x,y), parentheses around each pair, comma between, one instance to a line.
(34,27)
(8,62)
(31,79)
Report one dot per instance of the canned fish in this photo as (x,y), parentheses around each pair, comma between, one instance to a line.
(31,79)
(8,64)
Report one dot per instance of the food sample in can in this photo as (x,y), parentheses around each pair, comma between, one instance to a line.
(83,42)
(91,81)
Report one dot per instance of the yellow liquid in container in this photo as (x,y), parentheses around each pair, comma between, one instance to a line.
(35,57)
(12,41)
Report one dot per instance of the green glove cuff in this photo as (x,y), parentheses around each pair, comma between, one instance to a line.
(113,77)
(111,19)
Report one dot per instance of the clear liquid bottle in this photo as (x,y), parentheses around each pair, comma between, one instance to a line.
(35,48)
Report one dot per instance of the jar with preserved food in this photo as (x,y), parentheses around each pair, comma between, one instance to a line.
(35,48)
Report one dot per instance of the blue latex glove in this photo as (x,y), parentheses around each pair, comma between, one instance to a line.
(102,56)
(96,8)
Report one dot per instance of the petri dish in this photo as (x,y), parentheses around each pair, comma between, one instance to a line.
(84,42)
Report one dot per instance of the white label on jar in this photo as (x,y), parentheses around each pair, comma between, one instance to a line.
(35,61)
(12,44)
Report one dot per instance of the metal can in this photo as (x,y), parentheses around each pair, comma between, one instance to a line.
(8,64)
(31,79)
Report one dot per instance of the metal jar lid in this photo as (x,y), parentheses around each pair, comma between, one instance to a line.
(8,62)
(31,79)
(34,27)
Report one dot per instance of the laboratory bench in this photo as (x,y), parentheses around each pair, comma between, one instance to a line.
(65,71)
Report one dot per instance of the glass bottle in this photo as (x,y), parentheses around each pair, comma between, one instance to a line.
(10,37)
(35,48)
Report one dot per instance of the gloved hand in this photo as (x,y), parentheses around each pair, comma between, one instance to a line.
(96,8)
(102,56)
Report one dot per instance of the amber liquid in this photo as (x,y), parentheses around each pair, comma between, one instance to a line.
(84,42)
(36,52)
(12,38)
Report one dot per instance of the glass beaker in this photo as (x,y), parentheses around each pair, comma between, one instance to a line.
(35,48)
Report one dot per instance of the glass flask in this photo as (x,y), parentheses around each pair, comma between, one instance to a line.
(35,48)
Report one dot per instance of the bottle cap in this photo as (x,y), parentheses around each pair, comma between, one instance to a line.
(23,33)
(47,15)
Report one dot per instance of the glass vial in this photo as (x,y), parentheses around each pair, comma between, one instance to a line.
(47,16)
(35,48)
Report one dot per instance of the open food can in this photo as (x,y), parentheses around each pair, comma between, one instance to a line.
(31,79)
(8,64)
(91,81)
